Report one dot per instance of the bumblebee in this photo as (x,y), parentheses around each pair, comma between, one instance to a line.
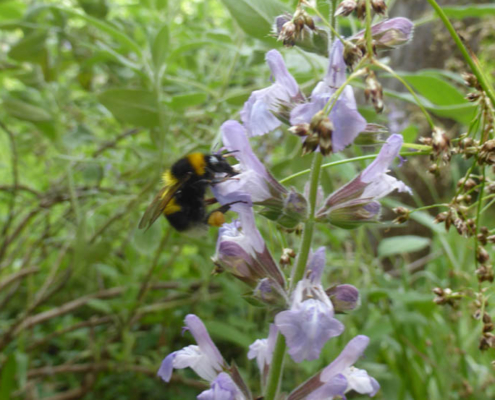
(182,198)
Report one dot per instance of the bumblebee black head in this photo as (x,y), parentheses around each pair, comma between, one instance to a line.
(217,163)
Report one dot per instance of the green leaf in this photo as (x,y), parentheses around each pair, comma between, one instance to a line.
(187,100)
(255,17)
(435,89)
(25,111)
(29,48)
(478,10)
(11,10)
(7,378)
(160,47)
(410,134)
(134,106)
(226,331)
(100,305)
(401,244)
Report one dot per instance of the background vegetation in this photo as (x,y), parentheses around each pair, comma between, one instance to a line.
(98,97)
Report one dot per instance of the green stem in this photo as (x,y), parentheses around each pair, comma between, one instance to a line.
(349,160)
(275,374)
(465,53)
(402,80)
(328,24)
(367,33)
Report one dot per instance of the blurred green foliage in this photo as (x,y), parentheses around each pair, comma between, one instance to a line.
(99,97)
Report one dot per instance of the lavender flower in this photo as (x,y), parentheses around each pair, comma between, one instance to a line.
(262,350)
(356,202)
(340,376)
(346,120)
(309,322)
(258,112)
(242,251)
(344,297)
(389,34)
(222,388)
(286,207)
(204,359)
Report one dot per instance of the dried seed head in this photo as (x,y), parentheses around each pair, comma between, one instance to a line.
(441,144)
(345,8)
(461,227)
(433,169)
(482,238)
(485,273)
(310,144)
(486,318)
(288,34)
(290,252)
(284,260)
(361,9)
(323,127)
(482,255)
(487,153)
(374,91)
(438,291)
(379,6)
(491,239)
(471,80)
(473,96)
(402,215)
(467,184)
(426,140)
(488,327)
(301,130)
(352,54)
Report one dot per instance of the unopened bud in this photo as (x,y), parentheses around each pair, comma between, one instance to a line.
(485,273)
(379,6)
(308,21)
(345,8)
(344,297)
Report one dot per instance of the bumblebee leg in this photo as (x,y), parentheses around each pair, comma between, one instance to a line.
(217,217)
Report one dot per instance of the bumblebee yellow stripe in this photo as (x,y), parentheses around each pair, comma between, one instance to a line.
(198,162)
(168,179)
(172,207)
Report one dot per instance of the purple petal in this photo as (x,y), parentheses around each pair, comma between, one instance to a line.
(256,115)
(390,33)
(316,265)
(336,386)
(359,381)
(389,151)
(348,357)
(303,113)
(344,297)
(204,341)
(280,72)
(347,121)
(167,366)
(336,76)
(235,139)
(307,329)
(222,388)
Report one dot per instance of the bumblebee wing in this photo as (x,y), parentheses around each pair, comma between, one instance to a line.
(157,206)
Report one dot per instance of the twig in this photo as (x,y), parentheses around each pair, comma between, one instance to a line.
(17,276)
(113,143)
(15,179)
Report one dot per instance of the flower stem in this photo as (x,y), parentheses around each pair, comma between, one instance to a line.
(349,160)
(275,374)
(367,34)
(465,53)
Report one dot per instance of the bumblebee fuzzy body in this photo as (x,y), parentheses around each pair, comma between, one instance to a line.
(181,200)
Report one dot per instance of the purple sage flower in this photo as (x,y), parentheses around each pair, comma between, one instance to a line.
(356,202)
(259,112)
(340,377)
(344,297)
(242,251)
(262,350)
(222,388)
(345,118)
(389,33)
(204,358)
(310,322)
(286,207)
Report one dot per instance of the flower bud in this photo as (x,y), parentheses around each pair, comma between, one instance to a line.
(323,127)
(471,80)
(344,297)
(361,9)
(441,144)
(287,34)
(485,273)
(345,8)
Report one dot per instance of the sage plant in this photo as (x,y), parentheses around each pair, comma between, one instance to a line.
(327,121)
